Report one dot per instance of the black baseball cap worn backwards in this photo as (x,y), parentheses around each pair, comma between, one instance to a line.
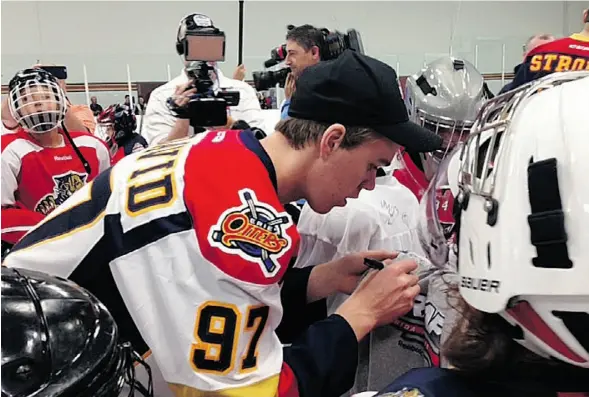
(357,90)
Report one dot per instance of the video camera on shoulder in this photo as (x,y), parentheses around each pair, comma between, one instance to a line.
(331,46)
(208,107)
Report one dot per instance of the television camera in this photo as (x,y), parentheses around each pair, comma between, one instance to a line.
(208,107)
(331,46)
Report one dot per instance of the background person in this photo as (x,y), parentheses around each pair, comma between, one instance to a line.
(159,122)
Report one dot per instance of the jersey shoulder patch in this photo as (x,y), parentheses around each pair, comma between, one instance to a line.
(254,231)
(241,226)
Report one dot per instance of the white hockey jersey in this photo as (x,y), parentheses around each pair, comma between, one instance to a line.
(187,245)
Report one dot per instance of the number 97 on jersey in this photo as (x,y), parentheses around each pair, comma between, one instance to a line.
(217,331)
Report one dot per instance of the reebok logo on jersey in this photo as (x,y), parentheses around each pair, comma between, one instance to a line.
(62,158)
(254,231)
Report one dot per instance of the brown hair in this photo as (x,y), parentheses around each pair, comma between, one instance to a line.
(482,347)
(300,132)
(480,341)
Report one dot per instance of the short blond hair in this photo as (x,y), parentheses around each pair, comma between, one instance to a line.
(300,133)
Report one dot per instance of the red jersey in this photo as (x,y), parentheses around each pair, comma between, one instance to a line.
(414,179)
(411,177)
(568,53)
(35,180)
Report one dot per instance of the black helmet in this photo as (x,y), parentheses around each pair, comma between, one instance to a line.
(59,340)
(193,23)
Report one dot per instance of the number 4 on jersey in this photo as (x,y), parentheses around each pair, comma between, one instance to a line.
(217,332)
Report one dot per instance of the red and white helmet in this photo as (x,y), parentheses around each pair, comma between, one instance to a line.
(115,123)
(522,214)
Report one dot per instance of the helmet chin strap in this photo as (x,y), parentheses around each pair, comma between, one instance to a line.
(85,162)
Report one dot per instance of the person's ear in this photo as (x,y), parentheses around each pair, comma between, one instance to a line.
(331,140)
(315,52)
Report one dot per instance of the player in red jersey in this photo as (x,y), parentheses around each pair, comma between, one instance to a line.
(42,164)
(119,125)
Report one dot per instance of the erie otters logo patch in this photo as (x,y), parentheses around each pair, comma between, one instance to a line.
(254,231)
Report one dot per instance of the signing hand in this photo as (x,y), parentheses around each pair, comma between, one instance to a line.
(381,297)
(341,275)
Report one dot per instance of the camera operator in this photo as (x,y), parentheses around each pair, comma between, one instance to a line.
(302,51)
(160,124)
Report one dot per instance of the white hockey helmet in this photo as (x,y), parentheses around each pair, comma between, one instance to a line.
(524,214)
(36,101)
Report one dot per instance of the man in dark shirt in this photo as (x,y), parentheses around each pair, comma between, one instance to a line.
(95,107)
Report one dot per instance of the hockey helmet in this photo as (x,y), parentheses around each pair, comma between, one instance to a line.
(445,97)
(192,23)
(117,123)
(59,340)
(521,216)
(36,101)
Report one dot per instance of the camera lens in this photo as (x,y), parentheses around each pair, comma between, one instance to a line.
(279,53)
(268,79)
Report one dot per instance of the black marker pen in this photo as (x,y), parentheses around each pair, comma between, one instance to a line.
(373,264)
